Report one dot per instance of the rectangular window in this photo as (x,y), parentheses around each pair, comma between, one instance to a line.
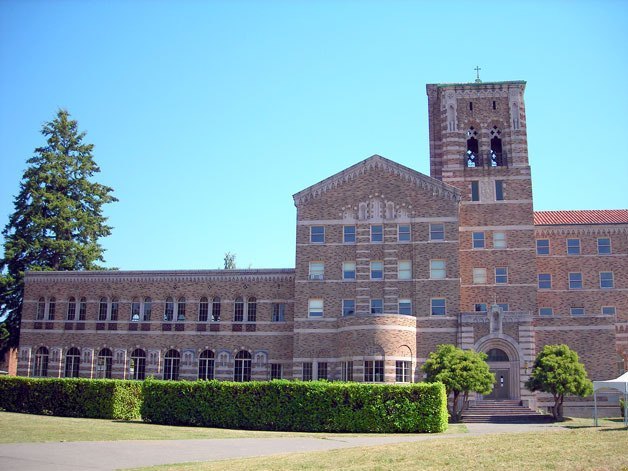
(317,234)
(576,311)
(315,308)
(279,312)
(505,307)
(374,371)
(405,307)
(499,240)
(438,307)
(348,307)
(573,246)
(346,371)
(604,246)
(499,190)
(575,281)
(321,368)
(402,371)
(478,240)
(377,270)
(348,270)
(546,311)
(404,270)
(606,279)
(377,306)
(479,307)
(545,280)
(479,276)
(608,310)
(403,233)
(475,191)
(275,371)
(377,233)
(542,247)
(437,231)
(348,234)
(317,270)
(438,269)
(501,275)
(307,371)
(82,309)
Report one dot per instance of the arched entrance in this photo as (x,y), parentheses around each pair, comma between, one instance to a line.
(504,362)
(499,364)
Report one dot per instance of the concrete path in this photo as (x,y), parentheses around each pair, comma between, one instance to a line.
(86,456)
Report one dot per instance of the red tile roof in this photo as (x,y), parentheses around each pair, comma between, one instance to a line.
(587,216)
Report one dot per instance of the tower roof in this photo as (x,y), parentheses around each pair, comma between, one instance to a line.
(587,216)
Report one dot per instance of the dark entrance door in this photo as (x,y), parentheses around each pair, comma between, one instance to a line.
(501,388)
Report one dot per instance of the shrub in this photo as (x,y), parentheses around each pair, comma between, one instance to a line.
(297,406)
(70,397)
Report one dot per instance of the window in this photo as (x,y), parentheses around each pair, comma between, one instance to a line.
(404,270)
(348,270)
(575,281)
(72,363)
(238,310)
(317,234)
(542,247)
(216,309)
(114,309)
(40,367)
(573,246)
(608,310)
(169,310)
(479,276)
(135,310)
(403,233)
(203,310)
(315,308)
(377,306)
(438,306)
(279,312)
(499,240)
(546,311)
(321,368)
(171,365)
(377,233)
(103,363)
(52,307)
(206,365)
(437,231)
(606,279)
(402,371)
(346,371)
(377,270)
(348,234)
(148,309)
(405,307)
(317,270)
(501,275)
(275,371)
(251,310)
(475,191)
(505,307)
(181,309)
(348,307)
(71,309)
(307,371)
(499,190)
(478,240)
(545,281)
(138,364)
(479,307)
(102,309)
(438,269)
(604,246)
(576,311)
(374,371)
(41,309)
(242,370)
(82,309)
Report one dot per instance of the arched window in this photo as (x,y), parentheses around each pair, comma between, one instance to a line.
(148,309)
(135,310)
(238,310)
(72,362)
(138,364)
(242,370)
(41,309)
(171,365)
(251,311)
(181,309)
(203,310)
(82,309)
(206,365)
(114,309)
(71,309)
(52,307)
(496,354)
(102,309)
(103,364)
(216,309)
(496,152)
(40,368)
(473,149)
(169,310)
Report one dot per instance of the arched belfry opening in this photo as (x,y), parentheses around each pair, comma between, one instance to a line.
(473,149)
(496,154)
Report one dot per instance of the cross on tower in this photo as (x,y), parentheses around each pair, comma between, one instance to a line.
(477,71)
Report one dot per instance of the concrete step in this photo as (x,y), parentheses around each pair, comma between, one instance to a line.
(504,412)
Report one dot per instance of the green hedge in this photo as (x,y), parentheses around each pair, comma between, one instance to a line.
(297,406)
(102,398)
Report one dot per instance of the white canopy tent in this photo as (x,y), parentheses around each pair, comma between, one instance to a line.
(621,384)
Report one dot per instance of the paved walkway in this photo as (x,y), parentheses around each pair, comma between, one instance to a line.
(99,456)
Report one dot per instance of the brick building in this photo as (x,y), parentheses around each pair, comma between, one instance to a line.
(389,264)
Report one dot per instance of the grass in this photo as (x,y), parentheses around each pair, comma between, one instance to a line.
(27,428)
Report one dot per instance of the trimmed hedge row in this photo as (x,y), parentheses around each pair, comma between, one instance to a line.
(69,397)
(297,406)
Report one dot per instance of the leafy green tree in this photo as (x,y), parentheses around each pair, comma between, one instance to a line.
(558,371)
(461,371)
(58,216)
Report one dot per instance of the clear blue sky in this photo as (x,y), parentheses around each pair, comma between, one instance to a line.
(207,116)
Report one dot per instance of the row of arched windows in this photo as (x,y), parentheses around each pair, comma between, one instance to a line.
(496,156)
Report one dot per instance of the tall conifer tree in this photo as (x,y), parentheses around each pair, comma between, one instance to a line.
(57,219)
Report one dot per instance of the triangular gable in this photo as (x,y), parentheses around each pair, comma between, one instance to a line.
(377,162)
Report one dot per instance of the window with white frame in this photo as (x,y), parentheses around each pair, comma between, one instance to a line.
(216,307)
(41,309)
(275,371)
(545,280)
(82,309)
(115,307)
(575,280)
(573,246)
(404,270)
(403,233)
(251,309)
(348,234)
(181,307)
(606,280)
(169,310)
(52,308)
(206,365)
(374,371)
(317,234)
(576,311)
(505,307)
(172,361)
(438,306)
(608,310)
(307,373)
(71,314)
(438,269)
(402,371)
(315,308)
(479,276)
(135,310)
(137,365)
(546,311)
(104,362)
(148,309)
(242,370)
(377,233)
(377,306)
(40,366)
(348,307)
(203,309)
(102,309)
(279,312)
(348,270)
(499,240)
(238,309)
(542,247)
(479,307)
(377,270)
(346,371)
(604,246)
(72,363)
(499,190)
(478,240)
(322,370)
(405,307)
(501,275)
(437,231)
(317,270)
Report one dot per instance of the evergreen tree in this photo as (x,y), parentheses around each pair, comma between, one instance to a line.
(58,216)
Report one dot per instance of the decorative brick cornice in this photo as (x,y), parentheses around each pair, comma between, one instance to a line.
(581,229)
(377,162)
